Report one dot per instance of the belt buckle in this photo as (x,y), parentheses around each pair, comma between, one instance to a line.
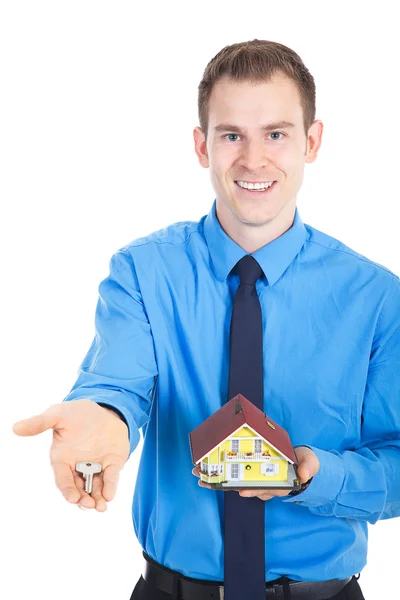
(221,592)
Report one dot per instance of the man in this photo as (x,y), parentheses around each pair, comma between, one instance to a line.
(160,357)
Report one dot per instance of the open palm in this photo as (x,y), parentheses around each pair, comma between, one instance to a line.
(82,431)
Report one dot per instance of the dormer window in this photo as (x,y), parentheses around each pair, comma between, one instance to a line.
(235,445)
(257,445)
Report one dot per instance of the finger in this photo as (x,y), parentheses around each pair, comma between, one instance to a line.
(39,423)
(196,471)
(110,481)
(308,465)
(256,495)
(303,472)
(85,500)
(65,482)
(202,484)
(97,488)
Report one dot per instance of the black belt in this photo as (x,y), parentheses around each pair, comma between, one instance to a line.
(191,589)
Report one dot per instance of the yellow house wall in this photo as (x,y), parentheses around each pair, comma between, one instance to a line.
(214,457)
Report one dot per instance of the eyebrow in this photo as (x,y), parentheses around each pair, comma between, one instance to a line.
(269,127)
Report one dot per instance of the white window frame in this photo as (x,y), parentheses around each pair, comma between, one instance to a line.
(237,466)
(267,467)
(259,444)
(237,443)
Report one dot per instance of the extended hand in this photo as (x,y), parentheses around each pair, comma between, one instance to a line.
(82,431)
(308,466)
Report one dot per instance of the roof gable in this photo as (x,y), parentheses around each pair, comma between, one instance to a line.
(228,419)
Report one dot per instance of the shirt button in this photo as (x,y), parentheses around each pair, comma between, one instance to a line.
(298,502)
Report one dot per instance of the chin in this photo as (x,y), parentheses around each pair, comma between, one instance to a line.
(254,217)
(256,209)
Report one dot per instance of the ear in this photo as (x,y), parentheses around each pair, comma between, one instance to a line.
(200,147)
(314,140)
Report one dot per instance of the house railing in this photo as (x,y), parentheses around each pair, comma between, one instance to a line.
(234,456)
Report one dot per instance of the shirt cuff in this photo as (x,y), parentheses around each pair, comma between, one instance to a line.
(326,484)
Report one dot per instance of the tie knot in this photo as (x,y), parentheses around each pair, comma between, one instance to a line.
(248,270)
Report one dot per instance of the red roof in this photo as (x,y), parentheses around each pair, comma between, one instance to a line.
(231,416)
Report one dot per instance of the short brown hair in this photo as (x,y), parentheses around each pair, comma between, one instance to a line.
(257,61)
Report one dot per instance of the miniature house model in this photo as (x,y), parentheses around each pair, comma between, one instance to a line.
(240,447)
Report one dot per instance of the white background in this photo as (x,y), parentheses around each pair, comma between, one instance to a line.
(97,106)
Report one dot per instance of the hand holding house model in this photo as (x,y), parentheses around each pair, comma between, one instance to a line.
(240,448)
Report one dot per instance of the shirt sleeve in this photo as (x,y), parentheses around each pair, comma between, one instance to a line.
(364,483)
(119,369)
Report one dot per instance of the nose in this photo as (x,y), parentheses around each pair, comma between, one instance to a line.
(254,157)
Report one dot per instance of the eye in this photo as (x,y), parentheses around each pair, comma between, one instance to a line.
(272,133)
(277,133)
(224,136)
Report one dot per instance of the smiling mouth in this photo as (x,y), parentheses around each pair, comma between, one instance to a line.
(259,192)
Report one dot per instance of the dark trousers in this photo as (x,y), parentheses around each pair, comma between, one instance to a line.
(144,591)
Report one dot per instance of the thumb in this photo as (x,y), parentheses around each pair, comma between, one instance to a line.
(47,420)
(303,471)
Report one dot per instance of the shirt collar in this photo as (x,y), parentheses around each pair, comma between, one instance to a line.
(273,258)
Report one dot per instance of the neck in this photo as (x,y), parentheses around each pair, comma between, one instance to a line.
(254,235)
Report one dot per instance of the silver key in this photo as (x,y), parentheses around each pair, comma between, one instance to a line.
(88,469)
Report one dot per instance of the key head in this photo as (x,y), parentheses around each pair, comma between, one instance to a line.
(88,468)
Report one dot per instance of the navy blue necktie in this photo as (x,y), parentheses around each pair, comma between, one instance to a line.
(244,546)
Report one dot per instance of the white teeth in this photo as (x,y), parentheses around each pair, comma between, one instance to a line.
(255,186)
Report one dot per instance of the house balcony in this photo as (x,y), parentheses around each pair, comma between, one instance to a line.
(247,456)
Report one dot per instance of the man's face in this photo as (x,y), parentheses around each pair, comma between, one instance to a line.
(239,149)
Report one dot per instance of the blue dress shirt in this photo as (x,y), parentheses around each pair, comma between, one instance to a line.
(331,345)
